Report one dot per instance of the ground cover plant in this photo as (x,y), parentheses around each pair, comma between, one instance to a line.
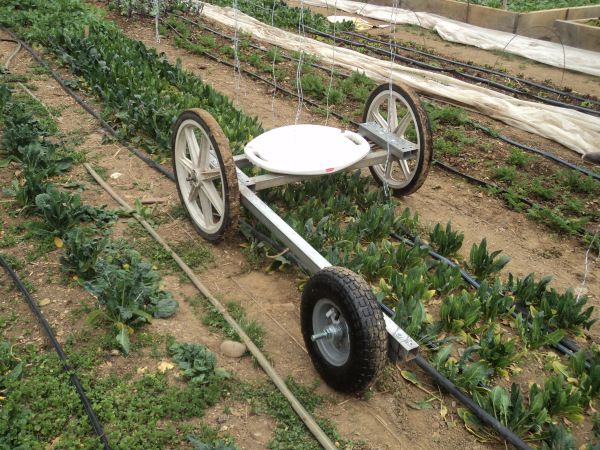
(380,257)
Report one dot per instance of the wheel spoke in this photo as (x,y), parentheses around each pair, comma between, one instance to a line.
(193,193)
(192,145)
(392,114)
(187,164)
(210,175)
(213,196)
(405,168)
(380,120)
(206,207)
(403,125)
(204,163)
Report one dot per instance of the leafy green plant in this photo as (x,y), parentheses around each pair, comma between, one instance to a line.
(408,292)
(82,247)
(558,438)
(62,211)
(513,411)
(494,302)
(526,290)
(560,398)
(497,352)
(129,292)
(588,377)
(445,279)
(460,312)
(197,362)
(446,241)
(534,331)
(469,376)
(484,264)
(566,311)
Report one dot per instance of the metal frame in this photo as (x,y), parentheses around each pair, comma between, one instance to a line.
(402,346)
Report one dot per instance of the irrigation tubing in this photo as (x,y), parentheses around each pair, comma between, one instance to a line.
(485,417)
(475,78)
(537,151)
(96,425)
(474,67)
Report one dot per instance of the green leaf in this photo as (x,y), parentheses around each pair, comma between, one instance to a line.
(123,339)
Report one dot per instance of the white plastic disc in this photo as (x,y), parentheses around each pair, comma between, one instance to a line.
(306,149)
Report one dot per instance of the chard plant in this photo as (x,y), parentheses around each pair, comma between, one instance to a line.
(460,312)
(497,352)
(483,264)
(567,311)
(561,399)
(446,241)
(534,331)
(495,304)
(469,376)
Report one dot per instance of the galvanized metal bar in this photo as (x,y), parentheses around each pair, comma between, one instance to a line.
(311,259)
(402,346)
(400,148)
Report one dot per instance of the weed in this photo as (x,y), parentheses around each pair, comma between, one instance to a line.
(518,158)
(198,363)
(507,174)
(215,322)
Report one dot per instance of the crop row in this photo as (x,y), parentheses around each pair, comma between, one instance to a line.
(410,282)
(126,287)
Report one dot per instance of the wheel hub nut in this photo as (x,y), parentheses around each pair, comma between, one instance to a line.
(329,332)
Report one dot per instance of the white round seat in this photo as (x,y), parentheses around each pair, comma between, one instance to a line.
(306,149)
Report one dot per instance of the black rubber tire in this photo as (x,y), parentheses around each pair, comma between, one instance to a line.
(226,162)
(368,339)
(425,138)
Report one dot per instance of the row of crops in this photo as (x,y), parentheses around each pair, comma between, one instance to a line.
(475,337)
(126,287)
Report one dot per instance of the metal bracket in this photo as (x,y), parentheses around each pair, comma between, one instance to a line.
(400,148)
(402,346)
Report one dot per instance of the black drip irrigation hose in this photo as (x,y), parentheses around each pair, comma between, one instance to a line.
(474,67)
(474,78)
(96,425)
(536,151)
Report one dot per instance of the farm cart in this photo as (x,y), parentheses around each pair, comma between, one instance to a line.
(342,323)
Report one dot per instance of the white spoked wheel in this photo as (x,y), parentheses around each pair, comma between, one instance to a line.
(205,173)
(398,110)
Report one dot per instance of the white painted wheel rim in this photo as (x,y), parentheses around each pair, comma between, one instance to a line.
(200,176)
(390,104)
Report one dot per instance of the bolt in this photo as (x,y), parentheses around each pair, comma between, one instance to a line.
(329,332)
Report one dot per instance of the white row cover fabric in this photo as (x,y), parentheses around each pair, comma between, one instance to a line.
(573,129)
(306,149)
(550,53)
